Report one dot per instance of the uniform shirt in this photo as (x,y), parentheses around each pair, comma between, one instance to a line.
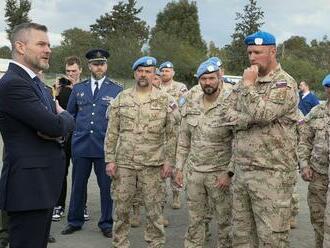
(313,149)
(266,131)
(141,133)
(175,89)
(204,143)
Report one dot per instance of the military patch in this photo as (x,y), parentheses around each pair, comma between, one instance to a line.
(183,89)
(173,105)
(108,98)
(278,95)
(281,84)
(301,122)
(182,101)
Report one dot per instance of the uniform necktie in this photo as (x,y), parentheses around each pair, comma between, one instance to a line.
(96,90)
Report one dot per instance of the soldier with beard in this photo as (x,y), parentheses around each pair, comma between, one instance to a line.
(140,146)
(204,148)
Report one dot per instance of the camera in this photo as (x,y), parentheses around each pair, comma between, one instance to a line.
(64,81)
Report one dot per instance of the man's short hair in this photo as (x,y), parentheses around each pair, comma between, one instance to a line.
(305,83)
(73,60)
(24,27)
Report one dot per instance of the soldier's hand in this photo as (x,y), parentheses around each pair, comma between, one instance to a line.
(250,75)
(307,173)
(179,179)
(110,169)
(223,181)
(166,170)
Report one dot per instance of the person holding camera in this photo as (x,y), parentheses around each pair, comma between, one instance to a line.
(62,91)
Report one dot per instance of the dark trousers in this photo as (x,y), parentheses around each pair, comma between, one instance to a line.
(29,229)
(80,174)
(67,149)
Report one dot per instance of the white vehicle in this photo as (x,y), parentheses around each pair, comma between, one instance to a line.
(3,66)
(231,79)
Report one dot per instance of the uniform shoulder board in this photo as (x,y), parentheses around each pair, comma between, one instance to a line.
(82,82)
(117,83)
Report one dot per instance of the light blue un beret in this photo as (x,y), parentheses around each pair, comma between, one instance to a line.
(260,39)
(216,60)
(167,64)
(206,67)
(144,61)
(326,81)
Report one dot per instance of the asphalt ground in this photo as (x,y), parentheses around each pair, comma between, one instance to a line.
(90,236)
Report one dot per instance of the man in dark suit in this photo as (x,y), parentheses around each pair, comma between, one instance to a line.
(31,125)
(88,104)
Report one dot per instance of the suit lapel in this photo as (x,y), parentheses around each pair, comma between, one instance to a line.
(88,91)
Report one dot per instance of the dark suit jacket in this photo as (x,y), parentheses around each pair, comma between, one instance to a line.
(33,168)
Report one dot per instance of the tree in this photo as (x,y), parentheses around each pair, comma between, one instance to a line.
(16,13)
(123,33)
(177,37)
(5,52)
(75,42)
(249,22)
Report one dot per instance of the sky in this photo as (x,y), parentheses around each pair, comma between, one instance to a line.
(283,18)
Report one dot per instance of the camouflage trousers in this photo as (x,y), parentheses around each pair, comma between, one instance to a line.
(123,191)
(317,200)
(200,188)
(295,202)
(262,208)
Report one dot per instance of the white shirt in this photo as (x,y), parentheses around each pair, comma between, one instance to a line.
(28,71)
(305,94)
(93,80)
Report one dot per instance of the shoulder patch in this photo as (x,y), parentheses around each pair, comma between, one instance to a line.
(182,100)
(281,84)
(173,105)
(301,122)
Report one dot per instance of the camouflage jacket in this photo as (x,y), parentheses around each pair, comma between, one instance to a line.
(265,118)
(204,145)
(313,149)
(141,133)
(176,89)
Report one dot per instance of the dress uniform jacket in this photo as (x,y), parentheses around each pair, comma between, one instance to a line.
(90,115)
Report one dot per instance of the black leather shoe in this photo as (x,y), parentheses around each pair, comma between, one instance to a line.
(51,239)
(107,233)
(70,229)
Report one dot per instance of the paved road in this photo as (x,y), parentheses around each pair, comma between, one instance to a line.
(90,236)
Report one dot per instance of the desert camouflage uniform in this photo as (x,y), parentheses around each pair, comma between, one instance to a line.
(264,160)
(139,138)
(313,152)
(204,148)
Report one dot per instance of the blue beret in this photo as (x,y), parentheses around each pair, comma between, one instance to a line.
(216,61)
(166,64)
(326,81)
(206,67)
(260,38)
(144,61)
(97,54)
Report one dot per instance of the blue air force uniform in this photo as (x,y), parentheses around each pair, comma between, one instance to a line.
(89,110)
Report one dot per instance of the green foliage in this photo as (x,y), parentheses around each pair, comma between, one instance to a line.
(177,37)
(5,52)
(123,33)
(249,22)
(75,42)
(16,13)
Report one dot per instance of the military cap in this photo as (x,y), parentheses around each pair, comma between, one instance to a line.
(216,61)
(167,64)
(206,67)
(144,61)
(326,81)
(158,72)
(97,54)
(260,39)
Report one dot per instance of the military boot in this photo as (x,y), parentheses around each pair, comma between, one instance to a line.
(176,203)
(136,217)
(293,223)
(207,231)
(163,219)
